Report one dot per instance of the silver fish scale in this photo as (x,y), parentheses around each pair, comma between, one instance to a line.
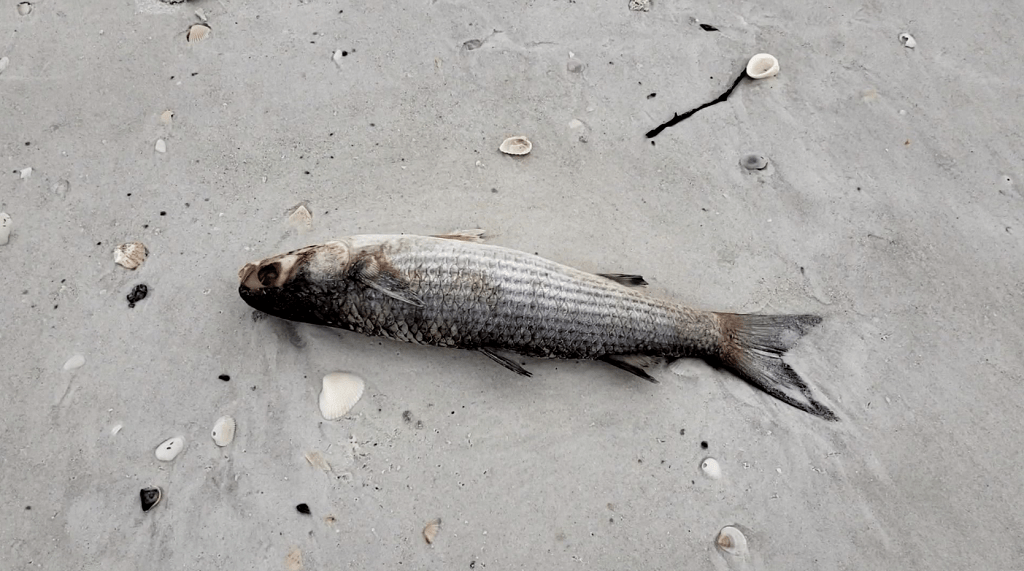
(479,296)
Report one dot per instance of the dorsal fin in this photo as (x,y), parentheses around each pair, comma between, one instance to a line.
(628,280)
(473,235)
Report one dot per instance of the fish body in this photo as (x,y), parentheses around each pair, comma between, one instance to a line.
(451,291)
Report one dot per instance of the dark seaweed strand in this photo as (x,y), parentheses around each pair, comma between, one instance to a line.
(677,118)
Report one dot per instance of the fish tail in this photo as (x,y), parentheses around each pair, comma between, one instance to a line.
(752,349)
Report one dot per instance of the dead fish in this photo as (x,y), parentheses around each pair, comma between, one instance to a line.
(450,291)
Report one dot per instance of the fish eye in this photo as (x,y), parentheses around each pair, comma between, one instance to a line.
(268,274)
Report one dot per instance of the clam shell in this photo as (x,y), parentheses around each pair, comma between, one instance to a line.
(130,255)
(197,33)
(711,468)
(340,392)
(223,431)
(732,541)
(150,497)
(74,362)
(430,531)
(25,8)
(5,227)
(161,146)
(762,65)
(516,146)
(170,448)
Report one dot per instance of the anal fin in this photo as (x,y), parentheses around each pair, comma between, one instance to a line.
(622,362)
(506,362)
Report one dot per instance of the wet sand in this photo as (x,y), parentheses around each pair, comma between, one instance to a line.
(891,205)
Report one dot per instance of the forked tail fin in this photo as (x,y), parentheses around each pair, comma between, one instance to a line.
(753,349)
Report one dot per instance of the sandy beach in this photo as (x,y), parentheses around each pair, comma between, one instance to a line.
(890,205)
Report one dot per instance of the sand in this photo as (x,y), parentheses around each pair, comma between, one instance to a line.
(891,205)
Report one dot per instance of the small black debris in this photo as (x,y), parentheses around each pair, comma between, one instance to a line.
(150,497)
(407,416)
(303,509)
(138,294)
(652,95)
(708,28)
(704,444)
(682,431)
(224,378)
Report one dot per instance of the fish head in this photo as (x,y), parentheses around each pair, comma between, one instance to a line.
(298,285)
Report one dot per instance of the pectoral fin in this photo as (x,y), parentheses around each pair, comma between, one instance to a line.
(623,362)
(506,362)
(367,272)
(628,280)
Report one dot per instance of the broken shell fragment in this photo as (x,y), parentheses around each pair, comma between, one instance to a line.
(731,540)
(24,8)
(170,448)
(197,33)
(150,497)
(317,460)
(74,362)
(166,117)
(130,255)
(4,62)
(301,218)
(5,228)
(711,468)
(516,146)
(161,146)
(754,162)
(908,41)
(762,65)
(340,392)
(430,531)
(223,431)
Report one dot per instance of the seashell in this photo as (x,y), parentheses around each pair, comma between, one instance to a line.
(5,228)
(166,117)
(731,540)
(26,172)
(301,218)
(317,460)
(340,392)
(337,57)
(150,497)
(711,468)
(115,429)
(223,431)
(4,62)
(197,33)
(762,65)
(200,14)
(516,146)
(161,146)
(130,255)
(25,8)
(74,362)
(430,531)
(753,162)
(908,41)
(170,448)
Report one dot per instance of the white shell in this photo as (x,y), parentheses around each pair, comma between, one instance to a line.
(337,57)
(161,146)
(115,429)
(26,172)
(170,449)
(516,146)
(4,62)
(5,227)
(732,541)
(74,362)
(166,117)
(223,431)
(197,33)
(711,468)
(25,8)
(908,41)
(340,392)
(430,531)
(301,218)
(130,255)
(762,65)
